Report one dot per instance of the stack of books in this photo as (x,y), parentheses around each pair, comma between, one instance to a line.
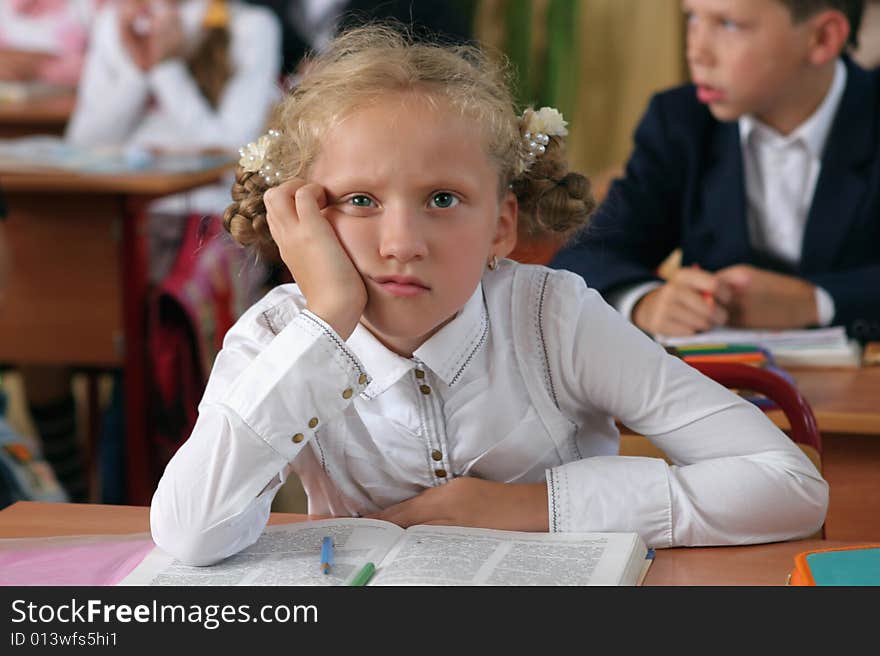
(749,354)
(820,347)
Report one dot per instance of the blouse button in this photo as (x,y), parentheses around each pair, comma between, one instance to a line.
(436,455)
(441,473)
(347,393)
(362,379)
(297,438)
(313,422)
(420,374)
(424,389)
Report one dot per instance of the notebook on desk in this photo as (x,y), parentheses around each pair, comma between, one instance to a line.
(41,153)
(858,565)
(819,347)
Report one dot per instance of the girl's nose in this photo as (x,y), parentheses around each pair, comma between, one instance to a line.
(402,235)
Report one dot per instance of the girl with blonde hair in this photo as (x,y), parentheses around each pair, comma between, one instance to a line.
(413,374)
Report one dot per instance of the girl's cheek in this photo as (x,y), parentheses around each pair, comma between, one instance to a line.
(354,235)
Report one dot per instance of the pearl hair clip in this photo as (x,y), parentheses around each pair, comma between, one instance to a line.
(255,157)
(539,127)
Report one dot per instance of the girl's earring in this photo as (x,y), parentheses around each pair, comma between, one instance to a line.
(493,263)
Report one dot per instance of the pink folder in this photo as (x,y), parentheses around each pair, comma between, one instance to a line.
(71,560)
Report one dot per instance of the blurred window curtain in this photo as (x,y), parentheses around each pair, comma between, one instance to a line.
(598,61)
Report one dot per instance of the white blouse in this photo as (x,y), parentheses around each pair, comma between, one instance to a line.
(118,104)
(522,386)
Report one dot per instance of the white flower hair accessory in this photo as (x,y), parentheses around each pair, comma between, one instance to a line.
(539,127)
(255,157)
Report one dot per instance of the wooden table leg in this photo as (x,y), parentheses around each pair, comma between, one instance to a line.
(134,268)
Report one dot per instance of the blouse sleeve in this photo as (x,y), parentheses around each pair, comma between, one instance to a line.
(113,91)
(266,397)
(736,478)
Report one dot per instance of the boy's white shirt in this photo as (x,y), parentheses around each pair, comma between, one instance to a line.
(771,162)
(113,108)
(738,479)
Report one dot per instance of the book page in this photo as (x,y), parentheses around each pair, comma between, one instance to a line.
(285,554)
(444,555)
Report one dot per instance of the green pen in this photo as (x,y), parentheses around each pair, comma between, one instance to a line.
(364,575)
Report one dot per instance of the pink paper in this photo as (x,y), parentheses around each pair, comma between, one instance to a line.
(72,563)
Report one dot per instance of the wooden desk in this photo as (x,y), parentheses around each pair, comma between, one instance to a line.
(767,564)
(843,400)
(46,115)
(78,280)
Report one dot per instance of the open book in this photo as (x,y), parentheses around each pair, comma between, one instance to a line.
(289,554)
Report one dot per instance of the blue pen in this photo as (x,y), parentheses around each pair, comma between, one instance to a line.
(326,554)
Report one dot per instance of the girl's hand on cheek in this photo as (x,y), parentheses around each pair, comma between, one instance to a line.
(166,37)
(135,24)
(151,32)
(333,288)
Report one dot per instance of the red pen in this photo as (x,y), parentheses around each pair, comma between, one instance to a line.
(707,295)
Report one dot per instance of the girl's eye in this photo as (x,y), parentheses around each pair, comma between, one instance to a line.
(443,200)
(361,201)
(729,25)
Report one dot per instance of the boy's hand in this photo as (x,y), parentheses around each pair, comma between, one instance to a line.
(691,301)
(333,288)
(475,502)
(769,300)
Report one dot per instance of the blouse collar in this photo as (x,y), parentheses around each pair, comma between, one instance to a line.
(447,353)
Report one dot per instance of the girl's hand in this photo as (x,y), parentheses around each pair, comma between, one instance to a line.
(135,24)
(166,37)
(333,288)
(151,31)
(475,502)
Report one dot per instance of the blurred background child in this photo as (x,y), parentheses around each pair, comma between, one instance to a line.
(186,77)
(44,40)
